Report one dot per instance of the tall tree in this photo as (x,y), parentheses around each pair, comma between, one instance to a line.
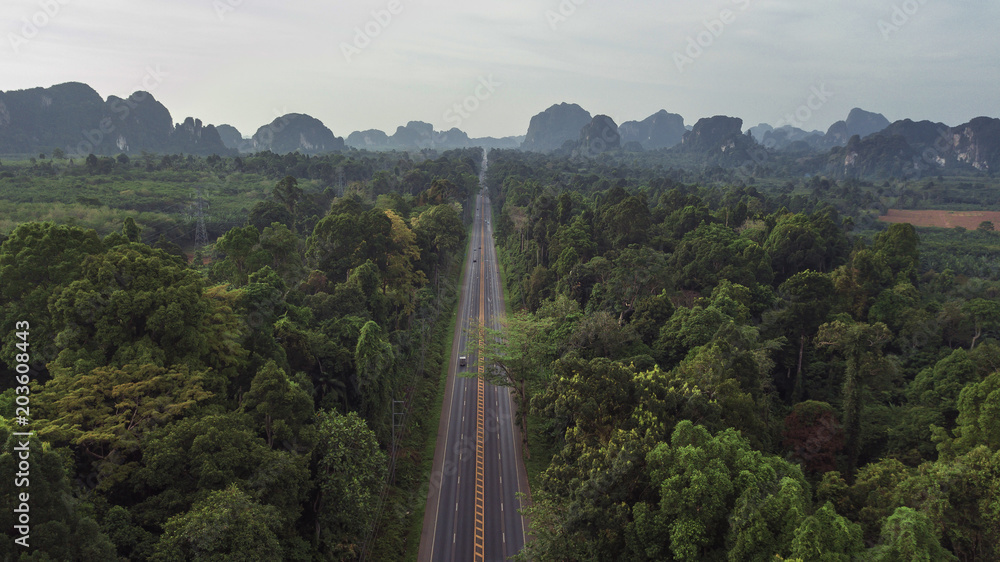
(861,346)
(349,471)
(288,193)
(279,405)
(516,356)
(374,359)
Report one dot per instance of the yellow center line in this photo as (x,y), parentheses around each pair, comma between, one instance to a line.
(480,538)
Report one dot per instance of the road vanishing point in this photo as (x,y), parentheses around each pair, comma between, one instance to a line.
(472,501)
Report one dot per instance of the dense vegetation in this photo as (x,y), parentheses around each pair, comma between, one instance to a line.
(725,373)
(712,363)
(243,408)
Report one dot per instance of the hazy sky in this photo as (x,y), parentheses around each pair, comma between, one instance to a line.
(356,65)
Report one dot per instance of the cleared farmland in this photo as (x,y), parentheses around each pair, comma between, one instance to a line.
(942,219)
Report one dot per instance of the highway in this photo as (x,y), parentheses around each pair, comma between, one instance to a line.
(472,503)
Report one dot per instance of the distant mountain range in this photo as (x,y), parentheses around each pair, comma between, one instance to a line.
(73,118)
(419,135)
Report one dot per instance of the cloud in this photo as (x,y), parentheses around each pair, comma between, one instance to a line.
(239,61)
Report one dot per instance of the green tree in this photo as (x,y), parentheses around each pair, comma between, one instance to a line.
(826,536)
(35,261)
(985,316)
(516,356)
(978,420)
(226,525)
(712,252)
(899,246)
(959,497)
(440,233)
(184,462)
(349,472)
(581,508)
(624,222)
(134,304)
(283,246)
(806,297)
(796,244)
(649,314)
(59,527)
(402,279)
(907,536)
(590,397)
(861,345)
(242,254)
(130,230)
(374,359)
(107,413)
(277,404)
(288,193)
(702,480)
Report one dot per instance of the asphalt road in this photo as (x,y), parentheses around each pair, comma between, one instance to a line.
(449,520)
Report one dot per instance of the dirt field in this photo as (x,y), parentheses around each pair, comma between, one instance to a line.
(943,219)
